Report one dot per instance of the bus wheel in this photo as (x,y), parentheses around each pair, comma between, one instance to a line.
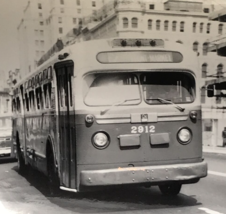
(53,178)
(20,160)
(170,189)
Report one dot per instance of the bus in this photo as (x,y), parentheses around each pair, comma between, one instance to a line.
(109,112)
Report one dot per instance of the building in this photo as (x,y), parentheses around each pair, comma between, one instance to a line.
(44,22)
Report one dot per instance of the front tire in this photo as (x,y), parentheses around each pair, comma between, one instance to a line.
(170,189)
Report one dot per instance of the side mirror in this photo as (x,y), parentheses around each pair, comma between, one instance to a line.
(210,91)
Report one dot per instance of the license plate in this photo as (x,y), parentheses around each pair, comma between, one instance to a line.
(142,129)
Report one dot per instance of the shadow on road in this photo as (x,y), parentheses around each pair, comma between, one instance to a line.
(6,159)
(108,200)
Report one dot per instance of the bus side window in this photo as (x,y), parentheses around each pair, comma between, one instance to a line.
(47,93)
(27,102)
(13,106)
(32,100)
(18,108)
(39,99)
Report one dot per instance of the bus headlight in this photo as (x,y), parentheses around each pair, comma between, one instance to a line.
(100,140)
(184,136)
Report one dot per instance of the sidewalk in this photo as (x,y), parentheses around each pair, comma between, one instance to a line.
(210,149)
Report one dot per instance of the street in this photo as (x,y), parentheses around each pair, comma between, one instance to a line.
(30,194)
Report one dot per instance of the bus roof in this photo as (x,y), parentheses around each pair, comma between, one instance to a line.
(84,55)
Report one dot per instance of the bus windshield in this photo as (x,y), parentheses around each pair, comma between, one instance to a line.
(111,89)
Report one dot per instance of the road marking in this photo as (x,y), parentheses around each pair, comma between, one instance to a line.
(209,211)
(4,210)
(217,173)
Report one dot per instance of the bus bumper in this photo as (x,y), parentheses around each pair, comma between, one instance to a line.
(183,173)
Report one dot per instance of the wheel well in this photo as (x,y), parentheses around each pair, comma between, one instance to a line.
(50,151)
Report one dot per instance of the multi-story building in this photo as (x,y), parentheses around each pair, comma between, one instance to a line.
(45,21)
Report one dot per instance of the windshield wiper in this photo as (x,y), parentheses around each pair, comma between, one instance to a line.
(168,102)
(116,104)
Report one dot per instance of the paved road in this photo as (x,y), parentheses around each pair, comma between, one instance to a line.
(30,195)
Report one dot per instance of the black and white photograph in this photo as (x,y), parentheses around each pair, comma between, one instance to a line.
(113,106)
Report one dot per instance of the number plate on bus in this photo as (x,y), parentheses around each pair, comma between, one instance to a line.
(142,129)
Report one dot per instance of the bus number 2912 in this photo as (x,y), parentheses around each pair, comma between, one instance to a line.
(142,129)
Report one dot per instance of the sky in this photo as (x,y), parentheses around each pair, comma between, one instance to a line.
(11,12)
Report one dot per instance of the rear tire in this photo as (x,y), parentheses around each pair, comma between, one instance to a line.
(170,189)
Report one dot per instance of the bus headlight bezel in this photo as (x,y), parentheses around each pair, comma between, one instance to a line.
(105,137)
(181,135)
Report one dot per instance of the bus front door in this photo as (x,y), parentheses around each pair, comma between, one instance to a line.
(66,124)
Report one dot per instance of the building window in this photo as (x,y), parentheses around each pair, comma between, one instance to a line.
(36,33)
(125,22)
(207,125)
(204,70)
(39,6)
(78,10)
(180,42)
(62,10)
(181,26)
(195,46)
(149,24)
(37,54)
(40,15)
(42,43)
(220,28)
(174,26)
(220,70)
(59,19)
(61,1)
(205,49)
(158,22)
(36,43)
(93,4)
(74,20)
(166,25)
(41,33)
(206,10)
(201,27)
(60,30)
(151,6)
(208,28)
(134,22)
(80,21)
(41,23)
(78,2)
(194,27)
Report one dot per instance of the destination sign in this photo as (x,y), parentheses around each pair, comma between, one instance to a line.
(140,57)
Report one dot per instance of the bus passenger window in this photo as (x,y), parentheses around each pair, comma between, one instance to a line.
(18,108)
(32,100)
(39,100)
(47,93)
(26,102)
